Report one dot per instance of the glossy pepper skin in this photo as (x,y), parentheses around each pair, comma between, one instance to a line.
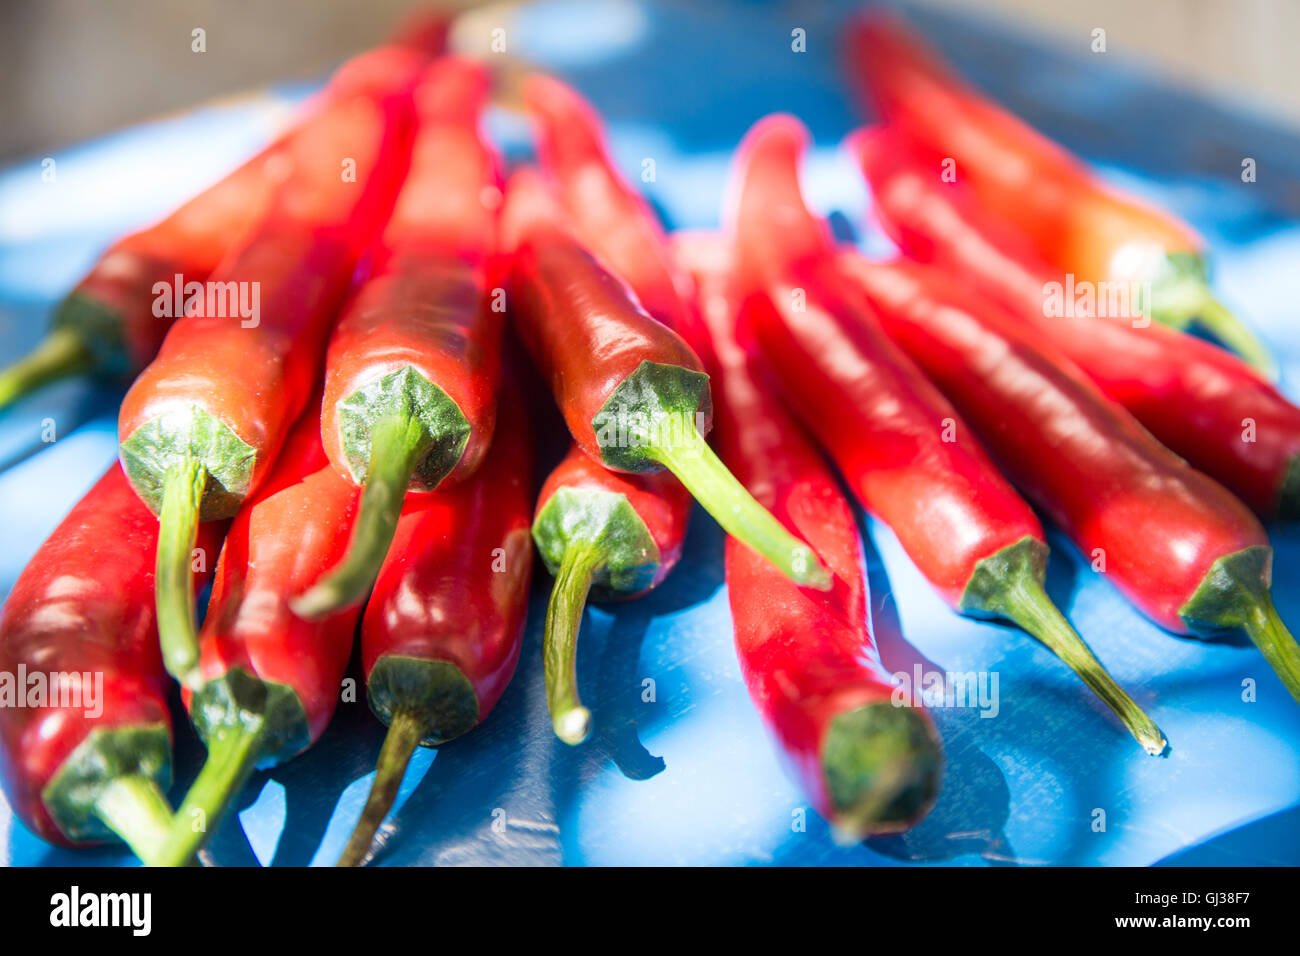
(881,419)
(84,604)
(201,427)
(106,326)
(1076,222)
(632,392)
(1198,400)
(610,218)
(906,453)
(443,629)
(270,679)
(869,759)
(608,535)
(415,358)
(601,533)
(1176,543)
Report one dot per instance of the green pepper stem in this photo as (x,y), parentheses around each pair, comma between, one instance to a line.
(1218,319)
(571,720)
(693,462)
(404,734)
(1027,605)
(134,807)
(398,443)
(233,751)
(1192,302)
(1263,625)
(60,354)
(178,527)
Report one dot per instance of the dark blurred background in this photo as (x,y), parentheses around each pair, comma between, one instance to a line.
(77,68)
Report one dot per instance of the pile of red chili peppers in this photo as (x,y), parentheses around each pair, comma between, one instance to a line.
(357,462)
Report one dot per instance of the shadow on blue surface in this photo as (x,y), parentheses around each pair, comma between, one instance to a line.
(1267,842)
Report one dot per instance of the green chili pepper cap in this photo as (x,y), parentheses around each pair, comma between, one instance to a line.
(106,755)
(435,693)
(883,764)
(183,436)
(404,394)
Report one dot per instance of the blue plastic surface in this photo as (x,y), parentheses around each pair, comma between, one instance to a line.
(690,777)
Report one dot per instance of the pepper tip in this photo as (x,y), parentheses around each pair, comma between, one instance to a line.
(573,726)
(314,603)
(810,571)
(1155,745)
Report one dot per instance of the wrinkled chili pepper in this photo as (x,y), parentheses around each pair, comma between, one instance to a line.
(903,448)
(414,360)
(1175,542)
(443,629)
(1200,401)
(868,756)
(1079,224)
(270,679)
(93,759)
(107,325)
(201,426)
(606,534)
(632,392)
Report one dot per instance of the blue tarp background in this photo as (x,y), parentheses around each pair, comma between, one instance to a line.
(691,777)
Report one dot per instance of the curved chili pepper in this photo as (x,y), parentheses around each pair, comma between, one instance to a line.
(84,606)
(415,358)
(107,325)
(1175,542)
(1079,224)
(906,453)
(632,392)
(201,426)
(1200,401)
(610,218)
(270,680)
(869,758)
(444,626)
(615,534)
(610,535)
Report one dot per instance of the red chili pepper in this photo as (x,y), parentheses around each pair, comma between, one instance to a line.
(444,626)
(869,758)
(107,325)
(1203,403)
(906,453)
(415,358)
(200,428)
(632,392)
(269,679)
(92,758)
(610,218)
(1175,542)
(1079,224)
(610,535)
